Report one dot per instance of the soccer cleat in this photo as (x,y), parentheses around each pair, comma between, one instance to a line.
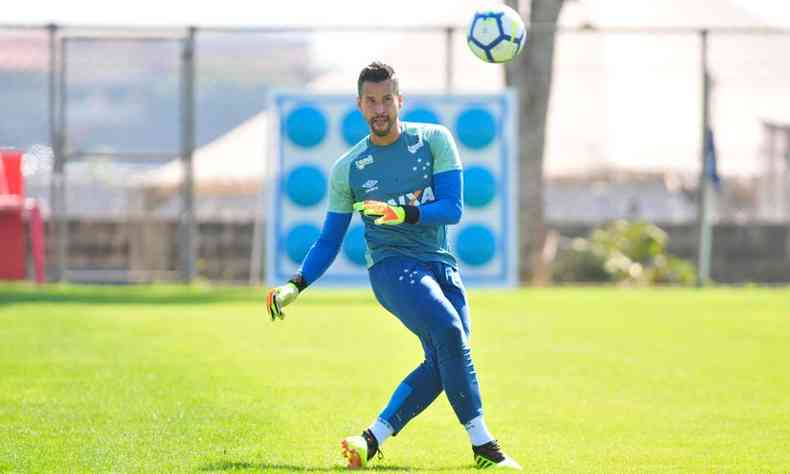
(491,455)
(358,450)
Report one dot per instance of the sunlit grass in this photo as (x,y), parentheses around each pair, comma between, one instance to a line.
(173,379)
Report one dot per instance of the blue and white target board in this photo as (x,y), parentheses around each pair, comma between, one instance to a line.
(313,130)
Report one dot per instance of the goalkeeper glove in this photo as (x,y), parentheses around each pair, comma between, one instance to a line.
(280,297)
(388,214)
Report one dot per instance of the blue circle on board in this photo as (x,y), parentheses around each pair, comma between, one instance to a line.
(298,241)
(476,245)
(353,127)
(479,186)
(354,245)
(422,115)
(305,185)
(476,128)
(306,126)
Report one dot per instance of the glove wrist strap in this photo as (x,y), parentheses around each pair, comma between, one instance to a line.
(411,214)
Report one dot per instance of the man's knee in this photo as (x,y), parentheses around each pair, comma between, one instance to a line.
(449,336)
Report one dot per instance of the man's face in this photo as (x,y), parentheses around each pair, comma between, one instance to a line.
(380,106)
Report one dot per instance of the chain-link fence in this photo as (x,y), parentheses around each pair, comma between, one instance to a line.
(127,111)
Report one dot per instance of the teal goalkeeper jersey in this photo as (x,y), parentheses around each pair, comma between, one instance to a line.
(401,174)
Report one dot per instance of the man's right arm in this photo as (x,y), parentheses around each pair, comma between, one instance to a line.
(324,251)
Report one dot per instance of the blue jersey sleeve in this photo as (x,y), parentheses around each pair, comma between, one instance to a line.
(448,206)
(325,249)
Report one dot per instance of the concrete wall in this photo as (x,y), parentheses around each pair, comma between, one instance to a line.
(148,250)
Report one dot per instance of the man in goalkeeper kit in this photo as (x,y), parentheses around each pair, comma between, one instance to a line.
(405,179)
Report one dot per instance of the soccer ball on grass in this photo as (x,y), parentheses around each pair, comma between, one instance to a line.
(496,34)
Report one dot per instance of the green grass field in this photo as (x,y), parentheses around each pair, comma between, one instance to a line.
(172,379)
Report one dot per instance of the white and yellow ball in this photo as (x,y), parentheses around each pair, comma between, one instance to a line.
(496,34)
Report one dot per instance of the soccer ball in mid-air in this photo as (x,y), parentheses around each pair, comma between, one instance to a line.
(496,34)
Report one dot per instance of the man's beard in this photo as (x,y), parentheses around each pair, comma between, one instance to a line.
(380,132)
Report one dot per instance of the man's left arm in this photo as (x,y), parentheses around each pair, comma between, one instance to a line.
(448,207)
(445,210)
(448,179)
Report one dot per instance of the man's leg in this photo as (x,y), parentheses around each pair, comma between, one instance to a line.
(485,448)
(449,331)
(413,395)
(410,290)
(421,387)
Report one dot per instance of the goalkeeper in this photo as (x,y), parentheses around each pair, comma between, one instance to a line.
(405,180)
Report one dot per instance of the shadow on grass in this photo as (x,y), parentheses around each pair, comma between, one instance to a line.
(242,466)
(114,296)
(154,295)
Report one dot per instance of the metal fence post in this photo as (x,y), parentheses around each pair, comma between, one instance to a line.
(703,209)
(449,63)
(57,153)
(187,221)
(58,179)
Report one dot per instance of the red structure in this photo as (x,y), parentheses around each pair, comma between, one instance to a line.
(16,214)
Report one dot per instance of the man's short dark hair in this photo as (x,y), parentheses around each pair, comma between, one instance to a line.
(378,72)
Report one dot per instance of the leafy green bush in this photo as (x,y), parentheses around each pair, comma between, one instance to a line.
(623,252)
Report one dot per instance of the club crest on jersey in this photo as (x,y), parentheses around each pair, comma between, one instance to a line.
(413,148)
(361,164)
(421,196)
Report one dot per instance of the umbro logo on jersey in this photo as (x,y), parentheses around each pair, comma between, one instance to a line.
(361,164)
(370,185)
(413,148)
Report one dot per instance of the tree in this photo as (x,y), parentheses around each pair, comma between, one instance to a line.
(531,75)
